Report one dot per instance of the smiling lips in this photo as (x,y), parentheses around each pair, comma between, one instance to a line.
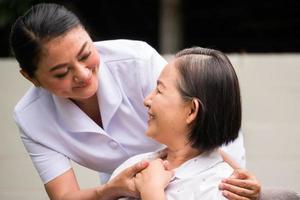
(151,116)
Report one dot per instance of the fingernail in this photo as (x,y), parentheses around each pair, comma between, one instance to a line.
(224,193)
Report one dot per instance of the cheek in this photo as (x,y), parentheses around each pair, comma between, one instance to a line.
(94,60)
(58,86)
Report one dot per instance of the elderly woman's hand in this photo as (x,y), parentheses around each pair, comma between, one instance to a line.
(241,185)
(154,178)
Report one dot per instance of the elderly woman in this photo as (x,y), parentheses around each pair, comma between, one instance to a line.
(194,109)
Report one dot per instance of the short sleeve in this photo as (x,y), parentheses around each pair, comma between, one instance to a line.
(47,162)
(130,162)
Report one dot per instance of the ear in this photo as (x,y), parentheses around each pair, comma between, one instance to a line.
(32,80)
(194,109)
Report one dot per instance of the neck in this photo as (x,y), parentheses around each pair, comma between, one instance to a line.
(90,107)
(177,156)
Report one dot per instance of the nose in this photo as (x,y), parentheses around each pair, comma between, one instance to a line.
(81,73)
(148,99)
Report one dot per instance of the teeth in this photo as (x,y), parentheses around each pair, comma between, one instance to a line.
(151,116)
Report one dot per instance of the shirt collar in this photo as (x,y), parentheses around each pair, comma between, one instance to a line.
(109,94)
(197,165)
(73,118)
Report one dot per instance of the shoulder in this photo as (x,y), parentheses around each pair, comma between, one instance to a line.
(223,170)
(31,96)
(219,169)
(124,49)
(133,160)
(31,104)
(208,182)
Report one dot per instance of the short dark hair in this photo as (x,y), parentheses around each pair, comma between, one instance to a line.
(39,24)
(208,76)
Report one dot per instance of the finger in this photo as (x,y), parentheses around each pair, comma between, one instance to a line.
(166,165)
(247,184)
(240,191)
(240,174)
(231,196)
(138,168)
(138,175)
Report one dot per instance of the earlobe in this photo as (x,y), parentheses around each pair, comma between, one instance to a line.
(194,110)
(32,80)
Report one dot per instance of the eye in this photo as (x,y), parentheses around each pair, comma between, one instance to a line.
(158,90)
(60,75)
(85,56)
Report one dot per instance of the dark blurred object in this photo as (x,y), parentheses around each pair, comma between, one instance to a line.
(104,19)
(247,26)
(9,10)
(230,26)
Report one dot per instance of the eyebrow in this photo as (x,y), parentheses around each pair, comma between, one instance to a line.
(82,48)
(65,64)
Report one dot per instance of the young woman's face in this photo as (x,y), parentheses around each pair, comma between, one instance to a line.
(68,66)
(166,109)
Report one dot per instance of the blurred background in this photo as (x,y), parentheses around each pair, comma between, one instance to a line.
(261,39)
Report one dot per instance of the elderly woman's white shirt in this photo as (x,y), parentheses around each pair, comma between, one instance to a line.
(197,178)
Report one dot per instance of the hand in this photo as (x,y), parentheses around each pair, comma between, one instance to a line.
(155,177)
(241,185)
(123,184)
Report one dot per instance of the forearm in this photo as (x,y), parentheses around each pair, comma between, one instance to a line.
(103,192)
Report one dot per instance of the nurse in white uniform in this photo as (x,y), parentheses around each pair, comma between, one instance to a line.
(86,104)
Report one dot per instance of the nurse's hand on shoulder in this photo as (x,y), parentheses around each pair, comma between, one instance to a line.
(241,185)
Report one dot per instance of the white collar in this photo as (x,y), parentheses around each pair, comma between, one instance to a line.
(193,166)
(198,165)
(109,94)
(73,118)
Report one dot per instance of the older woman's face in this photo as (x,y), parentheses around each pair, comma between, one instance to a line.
(166,109)
(68,66)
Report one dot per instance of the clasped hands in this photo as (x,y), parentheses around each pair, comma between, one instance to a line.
(147,176)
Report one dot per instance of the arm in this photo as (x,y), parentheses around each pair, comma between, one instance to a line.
(65,186)
(156,177)
(241,184)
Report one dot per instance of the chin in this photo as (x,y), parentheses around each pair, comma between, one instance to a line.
(85,94)
(151,135)
(89,91)
(89,94)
